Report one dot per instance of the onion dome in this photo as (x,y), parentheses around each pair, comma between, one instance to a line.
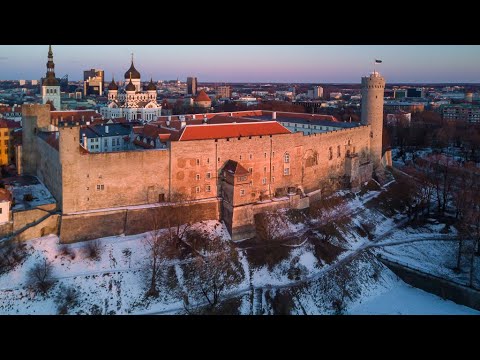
(151,86)
(134,72)
(113,85)
(130,86)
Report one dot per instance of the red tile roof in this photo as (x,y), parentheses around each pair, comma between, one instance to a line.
(5,195)
(235,168)
(9,124)
(202,96)
(222,131)
(74,115)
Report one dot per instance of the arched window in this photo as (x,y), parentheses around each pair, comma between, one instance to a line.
(287,158)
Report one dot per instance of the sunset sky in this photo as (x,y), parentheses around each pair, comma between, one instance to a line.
(250,63)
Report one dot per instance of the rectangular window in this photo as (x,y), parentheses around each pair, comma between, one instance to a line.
(208,176)
(265,155)
(250,170)
(198,161)
(207,188)
(242,192)
(105,143)
(208,160)
(240,157)
(264,169)
(273,168)
(197,176)
(338,151)
(218,160)
(273,153)
(264,181)
(273,179)
(197,189)
(1,210)
(251,156)
(100,187)
(251,183)
(286,171)
(5,133)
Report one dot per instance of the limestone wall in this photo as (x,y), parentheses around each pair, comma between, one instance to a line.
(49,169)
(80,227)
(109,180)
(48,226)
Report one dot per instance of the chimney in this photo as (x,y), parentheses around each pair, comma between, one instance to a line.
(106,129)
(193,117)
(231,114)
(83,120)
(205,119)
(84,140)
(274,115)
(88,122)
(91,118)
(169,118)
(183,123)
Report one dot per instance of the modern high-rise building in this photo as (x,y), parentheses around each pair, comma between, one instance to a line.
(191,86)
(93,81)
(317,92)
(50,84)
(224,92)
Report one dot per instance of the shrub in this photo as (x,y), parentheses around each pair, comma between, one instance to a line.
(93,250)
(39,277)
(66,299)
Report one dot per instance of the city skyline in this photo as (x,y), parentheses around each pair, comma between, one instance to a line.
(250,63)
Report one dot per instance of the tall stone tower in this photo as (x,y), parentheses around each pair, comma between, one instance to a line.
(50,85)
(373,88)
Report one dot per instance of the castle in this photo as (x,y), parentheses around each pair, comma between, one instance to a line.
(231,166)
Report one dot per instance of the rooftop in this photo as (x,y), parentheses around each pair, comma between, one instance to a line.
(94,131)
(23,185)
(222,131)
(307,120)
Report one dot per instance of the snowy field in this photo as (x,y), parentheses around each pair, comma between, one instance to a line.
(308,277)
(404,299)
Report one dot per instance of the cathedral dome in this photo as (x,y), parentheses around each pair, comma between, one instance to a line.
(135,74)
(130,86)
(151,86)
(113,85)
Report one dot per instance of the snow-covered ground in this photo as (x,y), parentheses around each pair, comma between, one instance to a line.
(304,278)
(403,299)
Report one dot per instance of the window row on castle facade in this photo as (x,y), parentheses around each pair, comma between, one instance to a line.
(208,188)
(51,91)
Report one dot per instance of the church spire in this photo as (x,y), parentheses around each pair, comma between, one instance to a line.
(50,78)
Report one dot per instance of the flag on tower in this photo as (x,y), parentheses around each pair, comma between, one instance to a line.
(378,61)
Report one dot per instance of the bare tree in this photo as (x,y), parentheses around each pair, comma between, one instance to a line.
(40,276)
(270,226)
(11,254)
(178,219)
(212,272)
(159,248)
